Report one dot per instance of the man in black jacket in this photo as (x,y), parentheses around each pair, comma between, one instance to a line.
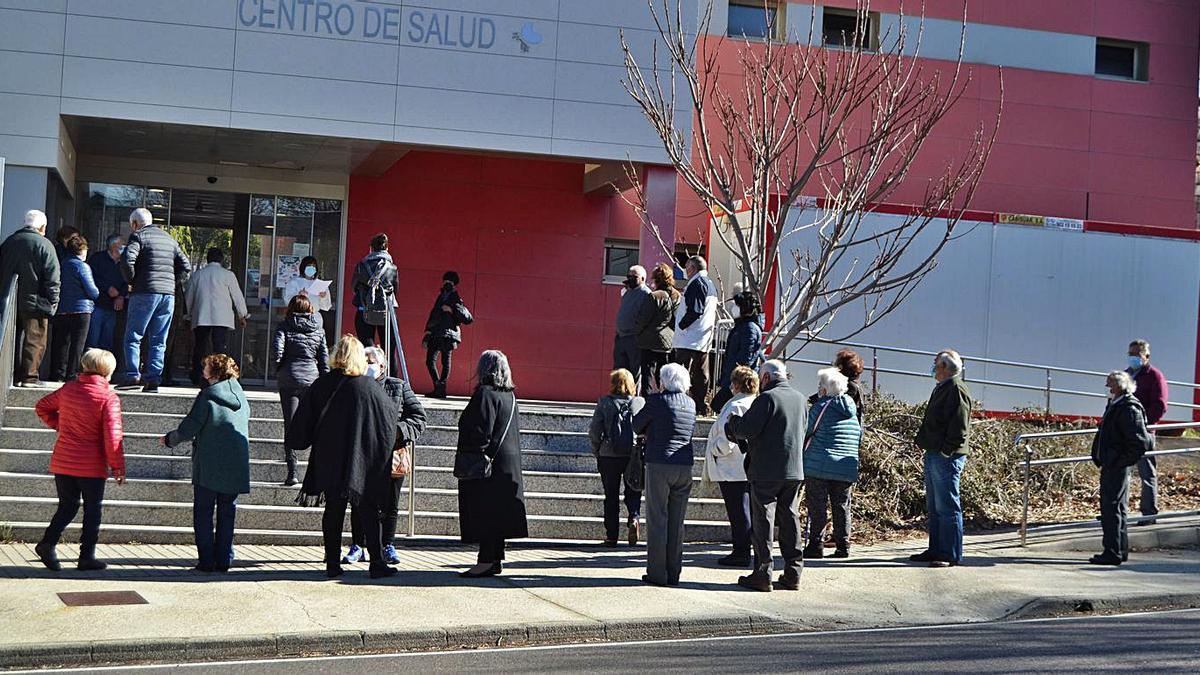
(31,257)
(1120,443)
(153,264)
(773,432)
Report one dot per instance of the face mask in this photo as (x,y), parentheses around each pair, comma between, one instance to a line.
(310,271)
(120,250)
(631,282)
(1135,362)
(374,371)
(734,310)
(933,370)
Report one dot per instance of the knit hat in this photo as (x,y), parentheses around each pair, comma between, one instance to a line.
(451,276)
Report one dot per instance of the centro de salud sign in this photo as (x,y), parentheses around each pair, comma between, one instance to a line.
(379,22)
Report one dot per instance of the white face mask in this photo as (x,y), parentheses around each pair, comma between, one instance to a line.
(734,310)
(374,371)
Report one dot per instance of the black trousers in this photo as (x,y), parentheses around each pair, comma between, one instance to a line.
(1114,507)
(370,527)
(719,399)
(697,364)
(366,333)
(289,401)
(627,355)
(612,472)
(388,517)
(491,551)
(32,334)
(736,495)
(651,363)
(206,340)
(70,489)
(436,348)
(820,494)
(68,335)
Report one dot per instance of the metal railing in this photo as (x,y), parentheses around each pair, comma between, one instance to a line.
(1029,462)
(8,342)
(1047,389)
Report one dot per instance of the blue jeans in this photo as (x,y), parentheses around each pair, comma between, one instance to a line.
(149,317)
(100,330)
(215,551)
(944,504)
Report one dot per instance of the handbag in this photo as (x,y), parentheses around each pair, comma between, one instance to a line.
(476,466)
(635,471)
(401,461)
(816,425)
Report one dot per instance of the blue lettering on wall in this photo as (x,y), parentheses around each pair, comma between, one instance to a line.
(375,21)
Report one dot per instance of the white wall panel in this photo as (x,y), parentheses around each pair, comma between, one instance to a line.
(31,73)
(304,56)
(215,13)
(466,71)
(466,111)
(452,138)
(28,31)
(151,83)
(24,116)
(308,125)
(171,44)
(133,110)
(308,97)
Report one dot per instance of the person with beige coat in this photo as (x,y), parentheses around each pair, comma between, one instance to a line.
(215,304)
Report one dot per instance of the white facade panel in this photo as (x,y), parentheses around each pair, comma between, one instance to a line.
(32,150)
(39,5)
(214,13)
(317,57)
(24,116)
(622,13)
(133,110)
(590,43)
(29,31)
(451,138)
(170,44)
(614,123)
(314,98)
(147,83)
(593,83)
(469,111)
(309,125)
(534,9)
(463,71)
(31,73)
(996,45)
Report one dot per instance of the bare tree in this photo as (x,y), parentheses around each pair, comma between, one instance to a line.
(803,141)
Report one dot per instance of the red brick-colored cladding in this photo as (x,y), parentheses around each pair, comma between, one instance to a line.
(529,245)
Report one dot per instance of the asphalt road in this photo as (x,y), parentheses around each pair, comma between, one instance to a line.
(1149,642)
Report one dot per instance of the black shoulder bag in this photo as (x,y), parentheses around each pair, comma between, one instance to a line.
(476,466)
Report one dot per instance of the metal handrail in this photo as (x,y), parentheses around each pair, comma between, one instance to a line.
(1029,462)
(8,342)
(1047,389)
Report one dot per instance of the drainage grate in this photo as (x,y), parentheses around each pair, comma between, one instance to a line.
(101,598)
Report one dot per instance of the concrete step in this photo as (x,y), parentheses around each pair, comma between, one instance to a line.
(143,518)
(432,499)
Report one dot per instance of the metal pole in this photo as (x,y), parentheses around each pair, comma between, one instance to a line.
(874,371)
(1048,387)
(412,490)
(1025,495)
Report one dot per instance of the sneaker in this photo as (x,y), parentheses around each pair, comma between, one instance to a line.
(355,554)
(33,384)
(130,385)
(390,556)
(924,556)
(150,388)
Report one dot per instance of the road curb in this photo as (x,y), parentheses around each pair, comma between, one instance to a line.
(1042,608)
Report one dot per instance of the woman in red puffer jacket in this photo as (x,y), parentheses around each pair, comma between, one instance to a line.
(87,415)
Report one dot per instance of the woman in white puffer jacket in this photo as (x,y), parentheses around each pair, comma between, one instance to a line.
(724,465)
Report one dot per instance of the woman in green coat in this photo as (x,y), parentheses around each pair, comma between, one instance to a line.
(219,428)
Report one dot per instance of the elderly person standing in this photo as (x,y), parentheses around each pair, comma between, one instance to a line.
(1121,442)
(153,264)
(350,423)
(29,255)
(696,322)
(625,348)
(215,304)
(944,437)
(723,465)
(831,462)
(113,289)
(76,301)
(1152,393)
(612,438)
(668,421)
(487,464)
(773,431)
(218,426)
(655,326)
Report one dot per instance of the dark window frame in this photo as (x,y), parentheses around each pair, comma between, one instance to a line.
(614,275)
(775,18)
(868,42)
(1140,51)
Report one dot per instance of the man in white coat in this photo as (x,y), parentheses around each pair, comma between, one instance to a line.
(695,324)
(214,302)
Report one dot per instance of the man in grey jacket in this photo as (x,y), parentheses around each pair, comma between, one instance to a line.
(625,350)
(215,304)
(153,264)
(30,256)
(771,433)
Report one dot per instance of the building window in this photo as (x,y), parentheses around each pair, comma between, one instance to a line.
(842,28)
(1121,59)
(751,20)
(619,256)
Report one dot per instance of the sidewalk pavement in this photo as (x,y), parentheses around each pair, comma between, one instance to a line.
(276,600)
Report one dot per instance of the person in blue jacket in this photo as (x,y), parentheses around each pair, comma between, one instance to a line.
(743,347)
(830,462)
(76,302)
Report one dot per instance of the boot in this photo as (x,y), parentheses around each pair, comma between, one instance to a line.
(759,580)
(439,390)
(814,550)
(290,458)
(87,558)
(45,553)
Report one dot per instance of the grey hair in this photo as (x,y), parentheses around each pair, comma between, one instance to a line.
(950,359)
(141,217)
(832,381)
(638,271)
(1124,381)
(775,369)
(494,370)
(1142,345)
(111,239)
(35,219)
(697,262)
(674,378)
(380,357)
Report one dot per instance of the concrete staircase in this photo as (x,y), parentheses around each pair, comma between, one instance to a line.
(562,489)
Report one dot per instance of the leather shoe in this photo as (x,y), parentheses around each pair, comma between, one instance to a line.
(1102,559)
(757,581)
(91,564)
(492,571)
(813,552)
(840,553)
(46,554)
(734,561)
(924,556)
(653,582)
(787,584)
(381,572)
(333,571)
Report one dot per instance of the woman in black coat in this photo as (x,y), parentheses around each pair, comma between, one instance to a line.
(442,332)
(655,326)
(350,423)
(301,356)
(491,509)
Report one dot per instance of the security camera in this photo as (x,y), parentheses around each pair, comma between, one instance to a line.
(212,179)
